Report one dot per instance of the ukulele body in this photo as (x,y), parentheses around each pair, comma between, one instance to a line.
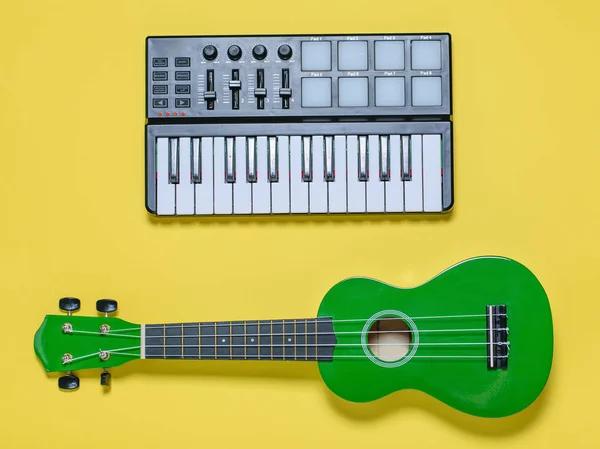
(442,359)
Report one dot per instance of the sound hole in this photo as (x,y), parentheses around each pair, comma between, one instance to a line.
(389,339)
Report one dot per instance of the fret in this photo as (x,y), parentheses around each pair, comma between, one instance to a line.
(289,340)
(251,340)
(190,341)
(277,339)
(311,339)
(207,341)
(155,338)
(237,340)
(304,339)
(265,339)
(173,337)
(300,339)
(223,340)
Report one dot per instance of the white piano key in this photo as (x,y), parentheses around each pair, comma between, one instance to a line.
(165,191)
(413,189)
(356,188)
(375,186)
(298,188)
(318,186)
(204,189)
(242,189)
(337,187)
(432,173)
(261,192)
(184,191)
(280,190)
(394,188)
(223,189)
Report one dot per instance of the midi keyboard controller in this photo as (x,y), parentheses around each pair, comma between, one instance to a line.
(294,124)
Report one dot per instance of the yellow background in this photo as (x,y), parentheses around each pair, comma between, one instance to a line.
(73,223)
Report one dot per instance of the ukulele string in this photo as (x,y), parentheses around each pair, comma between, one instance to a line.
(295,334)
(307,321)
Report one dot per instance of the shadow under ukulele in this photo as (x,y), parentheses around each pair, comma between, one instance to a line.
(478,337)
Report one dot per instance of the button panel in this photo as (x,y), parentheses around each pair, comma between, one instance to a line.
(301,75)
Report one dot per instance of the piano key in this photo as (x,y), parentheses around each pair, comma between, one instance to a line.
(384,158)
(307,168)
(337,188)
(363,158)
(298,187)
(406,155)
(432,173)
(184,191)
(196,161)
(204,189)
(413,189)
(329,160)
(165,191)
(318,186)
(375,186)
(394,188)
(230,159)
(251,159)
(280,188)
(174,160)
(223,193)
(242,189)
(261,192)
(356,188)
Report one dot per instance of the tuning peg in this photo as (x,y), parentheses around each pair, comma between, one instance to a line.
(69,304)
(105,378)
(106,306)
(68,382)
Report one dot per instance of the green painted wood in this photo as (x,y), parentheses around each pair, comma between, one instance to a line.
(465,384)
(51,343)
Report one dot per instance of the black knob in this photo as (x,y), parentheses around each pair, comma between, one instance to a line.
(105,379)
(284,52)
(106,305)
(259,52)
(69,304)
(210,52)
(68,382)
(234,52)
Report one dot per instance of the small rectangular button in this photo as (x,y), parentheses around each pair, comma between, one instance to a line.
(160,89)
(182,102)
(160,62)
(182,89)
(160,103)
(182,62)
(160,76)
(182,76)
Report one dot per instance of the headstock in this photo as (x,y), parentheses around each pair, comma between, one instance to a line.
(66,343)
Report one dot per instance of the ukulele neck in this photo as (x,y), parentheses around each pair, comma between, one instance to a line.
(308,339)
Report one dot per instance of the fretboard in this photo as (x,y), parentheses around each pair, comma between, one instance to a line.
(303,339)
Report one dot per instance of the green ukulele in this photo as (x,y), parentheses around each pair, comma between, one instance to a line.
(478,337)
